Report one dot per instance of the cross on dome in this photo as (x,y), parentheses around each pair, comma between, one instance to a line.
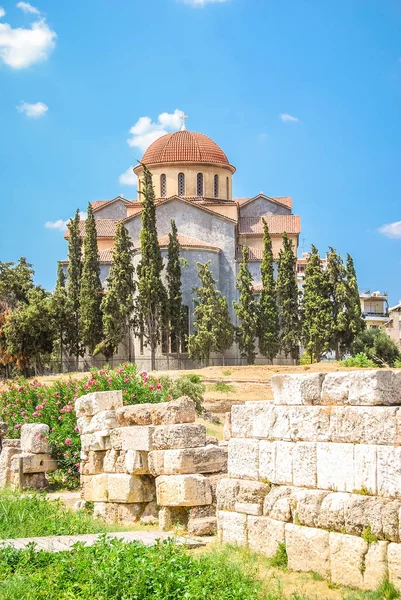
(183,118)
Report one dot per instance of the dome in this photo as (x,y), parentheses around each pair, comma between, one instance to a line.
(184,146)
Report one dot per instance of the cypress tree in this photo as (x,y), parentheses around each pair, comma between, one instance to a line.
(151,308)
(62,312)
(90,318)
(118,302)
(268,322)
(337,289)
(287,300)
(213,328)
(73,341)
(174,289)
(355,323)
(316,308)
(246,309)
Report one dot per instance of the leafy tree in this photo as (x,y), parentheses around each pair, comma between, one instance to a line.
(118,302)
(151,293)
(174,289)
(287,300)
(377,346)
(246,309)
(62,312)
(73,341)
(213,329)
(317,318)
(337,289)
(15,282)
(29,330)
(268,319)
(355,323)
(90,294)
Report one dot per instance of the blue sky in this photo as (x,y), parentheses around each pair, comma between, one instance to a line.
(75,77)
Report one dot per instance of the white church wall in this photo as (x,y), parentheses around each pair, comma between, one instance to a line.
(261,207)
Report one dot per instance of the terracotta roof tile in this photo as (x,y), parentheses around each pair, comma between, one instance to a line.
(257,286)
(105,256)
(284,200)
(105,228)
(277,224)
(184,146)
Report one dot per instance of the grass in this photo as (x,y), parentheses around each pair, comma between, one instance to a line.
(221,386)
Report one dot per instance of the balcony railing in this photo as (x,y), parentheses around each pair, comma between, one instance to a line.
(375,314)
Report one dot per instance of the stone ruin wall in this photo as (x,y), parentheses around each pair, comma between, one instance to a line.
(149,462)
(319,469)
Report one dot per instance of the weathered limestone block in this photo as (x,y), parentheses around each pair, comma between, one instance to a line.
(374,518)
(390,513)
(335,388)
(375,565)
(271,422)
(389,471)
(136,462)
(297,389)
(373,388)
(175,412)
(394,564)
(201,512)
(354,514)
(135,414)
(35,438)
(267,461)
(203,526)
(332,511)
(212,440)
(307,549)
(170,517)
(304,464)
(243,458)
(365,468)
(284,463)
(101,421)
(366,424)
(278,503)
(183,490)
(242,420)
(129,489)
(90,404)
(94,487)
(265,534)
(309,423)
(307,506)
(35,481)
(214,480)
(347,555)
(185,435)
(227,429)
(6,456)
(3,429)
(34,463)
(232,528)
(83,423)
(150,515)
(97,441)
(11,443)
(209,459)
(137,437)
(114,461)
(114,512)
(93,463)
(248,508)
(230,491)
(335,466)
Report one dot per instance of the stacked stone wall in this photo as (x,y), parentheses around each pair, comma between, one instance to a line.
(149,462)
(319,470)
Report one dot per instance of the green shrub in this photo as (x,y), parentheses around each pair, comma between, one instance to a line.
(377,346)
(185,385)
(280,559)
(222,386)
(360,360)
(397,364)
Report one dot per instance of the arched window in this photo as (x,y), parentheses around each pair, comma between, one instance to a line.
(228,188)
(199,184)
(181,184)
(163,186)
(216,186)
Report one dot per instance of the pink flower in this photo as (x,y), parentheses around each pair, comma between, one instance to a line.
(158,387)
(20,389)
(151,387)
(60,418)
(68,442)
(76,428)
(18,426)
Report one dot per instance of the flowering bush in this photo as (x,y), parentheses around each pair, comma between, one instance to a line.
(33,402)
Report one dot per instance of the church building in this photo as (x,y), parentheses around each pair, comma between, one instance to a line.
(193,182)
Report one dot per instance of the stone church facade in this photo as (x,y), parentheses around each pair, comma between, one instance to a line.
(192,177)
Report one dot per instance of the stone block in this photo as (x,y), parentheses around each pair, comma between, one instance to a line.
(284,463)
(278,503)
(35,481)
(114,461)
(390,518)
(304,472)
(207,459)
(129,489)
(136,462)
(230,491)
(332,511)
(6,456)
(214,480)
(137,437)
(335,466)
(389,471)
(365,468)
(394,564)
(185,435)
(116,438)
(7,443)
(183,490)
(271,422)
(101,421)
(243,458)
(227,429)
(115,512)
(92,464)
(175,412)
(347,555)
(375,565)
(365,424)
(35,438)
(373,388)
(90,404)
(265,534)
(232,528)
(98,441)
(248,508)
(297,389)
(335,388)
(200,512)
(83,423)
(267,461)
(150,515)
(354,513)
(204,526)
(242,420)
(34,463)
(308,549)
(94,488)
(306,506)
(309,423)
(135,414)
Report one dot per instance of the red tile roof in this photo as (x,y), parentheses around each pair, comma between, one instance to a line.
(106,256)
(257,286)
(184,146)
(105,228)
(277,224)
(96,204)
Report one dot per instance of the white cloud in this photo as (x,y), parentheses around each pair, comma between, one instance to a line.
(21,48)
(286,118)
(33,110)
(28,8)
(2,12)
(203,2)
(391,230)
(61,225)
(129,177)
(145,131)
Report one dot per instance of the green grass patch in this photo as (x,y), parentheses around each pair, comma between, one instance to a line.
(221,386)
(280,559)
